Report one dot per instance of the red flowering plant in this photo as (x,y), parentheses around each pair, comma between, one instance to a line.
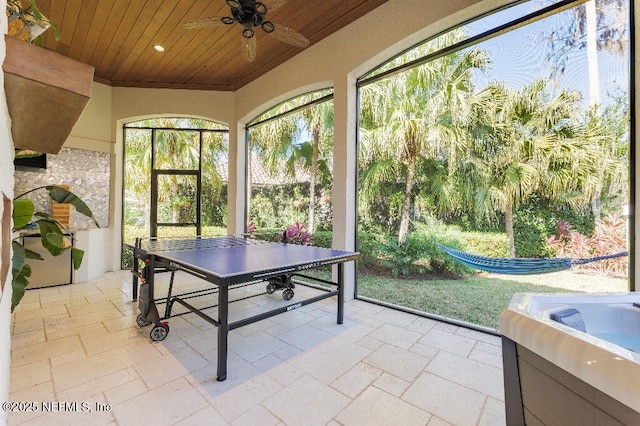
(251,228)
(609,237)
(295,234)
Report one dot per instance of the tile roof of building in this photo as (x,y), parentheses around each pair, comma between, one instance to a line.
(260,174)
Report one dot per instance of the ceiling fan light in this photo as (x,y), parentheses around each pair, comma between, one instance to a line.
(260,8)
(268,26)
(249,49)
(250,14)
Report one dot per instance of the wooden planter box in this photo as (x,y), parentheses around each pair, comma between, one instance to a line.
(46,93)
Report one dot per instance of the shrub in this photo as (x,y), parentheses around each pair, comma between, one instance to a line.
(530,236)
(609,237)
(486,243)
(535,221)
(262,212)
(323,239)
(403,258)
(419,254)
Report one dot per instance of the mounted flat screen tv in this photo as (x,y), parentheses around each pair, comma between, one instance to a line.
(32,159)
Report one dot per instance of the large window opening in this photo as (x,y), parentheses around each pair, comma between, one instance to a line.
(290,168)
(505,137)
(175,179)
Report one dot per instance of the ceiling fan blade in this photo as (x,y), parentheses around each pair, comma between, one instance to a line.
(249,48)
(273,4)
(289,36)
(197,24)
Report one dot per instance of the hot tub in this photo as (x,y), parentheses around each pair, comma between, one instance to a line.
(572,359)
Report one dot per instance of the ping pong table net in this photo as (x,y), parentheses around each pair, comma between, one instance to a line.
(159,244)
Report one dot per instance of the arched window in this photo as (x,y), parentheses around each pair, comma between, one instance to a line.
(290,166)
(507,136)
(175,179)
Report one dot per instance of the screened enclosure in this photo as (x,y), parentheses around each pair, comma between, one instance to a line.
(505,137)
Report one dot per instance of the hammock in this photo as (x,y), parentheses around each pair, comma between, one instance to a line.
(521,266)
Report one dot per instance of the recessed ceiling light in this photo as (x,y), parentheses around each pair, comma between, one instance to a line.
(158,48)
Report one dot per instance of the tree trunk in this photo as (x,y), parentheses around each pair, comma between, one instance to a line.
(592,53)
(596,209)
(175,207)
(312,182)
(406,203)
(594,80)
(508,224)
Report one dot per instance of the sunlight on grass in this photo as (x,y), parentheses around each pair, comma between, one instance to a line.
(478,299)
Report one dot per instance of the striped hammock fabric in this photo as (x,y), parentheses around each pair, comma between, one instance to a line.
(521,266)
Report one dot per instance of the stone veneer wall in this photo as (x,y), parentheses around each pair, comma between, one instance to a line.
(86,172)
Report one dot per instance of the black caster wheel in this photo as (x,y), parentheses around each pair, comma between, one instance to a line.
(142,321)
(271,288)
(159,332)
(287,294)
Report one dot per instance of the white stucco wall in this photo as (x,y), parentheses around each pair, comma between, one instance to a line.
(94,129)
(137,102)
(6,187)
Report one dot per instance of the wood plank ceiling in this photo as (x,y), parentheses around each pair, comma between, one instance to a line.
(117,38)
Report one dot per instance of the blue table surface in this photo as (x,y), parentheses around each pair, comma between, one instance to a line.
(255,258)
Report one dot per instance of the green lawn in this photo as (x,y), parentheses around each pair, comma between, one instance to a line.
(477,299)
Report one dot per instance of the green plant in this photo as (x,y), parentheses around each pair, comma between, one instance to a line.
(609,237)
(33,20)
(323,239)
(419,254)
(404,258)
(492,244)
(535,221)
(54,235)
(263,213)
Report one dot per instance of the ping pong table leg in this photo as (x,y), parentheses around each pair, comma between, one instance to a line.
(340,293)
(223,331)
(134,283)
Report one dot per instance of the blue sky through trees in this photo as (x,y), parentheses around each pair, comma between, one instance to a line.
(519,57)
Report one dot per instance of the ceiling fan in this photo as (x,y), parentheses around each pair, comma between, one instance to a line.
(251,15)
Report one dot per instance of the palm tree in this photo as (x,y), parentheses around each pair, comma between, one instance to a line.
(597,25)
(528,142)
(608,174)
(319,122)
(419,114)
(215,149)
(176,150)
(271,142)
(278,143)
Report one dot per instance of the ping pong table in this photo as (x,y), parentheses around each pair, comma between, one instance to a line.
(228,262)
